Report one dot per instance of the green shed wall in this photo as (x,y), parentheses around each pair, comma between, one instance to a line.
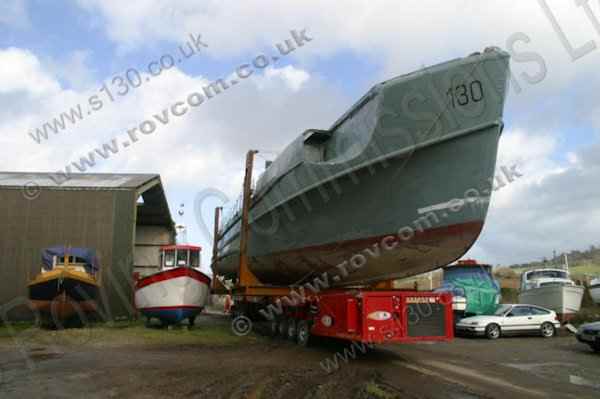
(99,219)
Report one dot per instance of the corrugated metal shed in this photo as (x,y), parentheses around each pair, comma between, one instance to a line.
(93,181)
(125,217)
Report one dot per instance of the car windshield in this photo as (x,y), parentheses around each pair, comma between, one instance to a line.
(501,310)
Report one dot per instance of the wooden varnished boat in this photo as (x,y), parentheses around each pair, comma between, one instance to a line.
(66,287)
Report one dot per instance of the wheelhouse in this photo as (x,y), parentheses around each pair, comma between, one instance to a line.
(172,256)
(544,278)
(69,258)
(69,262)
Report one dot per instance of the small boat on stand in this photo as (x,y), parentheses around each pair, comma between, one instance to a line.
(178,291)
(552,289)
(474,290)
(66,290)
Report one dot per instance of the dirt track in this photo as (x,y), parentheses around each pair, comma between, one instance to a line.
(220,365)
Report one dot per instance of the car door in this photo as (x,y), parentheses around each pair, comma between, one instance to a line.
(540,316)
(519,320)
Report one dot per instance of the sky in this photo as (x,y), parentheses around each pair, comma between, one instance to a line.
(114,60)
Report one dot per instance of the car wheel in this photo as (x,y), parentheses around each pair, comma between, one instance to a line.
(595,347)
(492,331)
(547,330)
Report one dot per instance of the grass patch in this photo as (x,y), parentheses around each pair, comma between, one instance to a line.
(123,333)
(586,268)
(9,330)
(373,390)
(578,271)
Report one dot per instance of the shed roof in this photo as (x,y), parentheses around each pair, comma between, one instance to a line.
(154,209)
(110,181)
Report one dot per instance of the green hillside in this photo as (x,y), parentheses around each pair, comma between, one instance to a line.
(581,263)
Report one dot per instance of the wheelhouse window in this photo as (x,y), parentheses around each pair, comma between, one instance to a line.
(70,259)
(547,274)
(169,258)
(182,257)
(194,258)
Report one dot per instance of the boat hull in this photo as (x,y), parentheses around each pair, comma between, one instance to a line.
(564,300)
(61,297)
(331,232)
(389,169)
(172,295)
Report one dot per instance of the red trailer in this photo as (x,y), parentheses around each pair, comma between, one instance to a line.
(364,315)
(369,314)
(383,316)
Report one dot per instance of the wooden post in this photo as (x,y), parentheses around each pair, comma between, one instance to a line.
(215,284)
(246,277)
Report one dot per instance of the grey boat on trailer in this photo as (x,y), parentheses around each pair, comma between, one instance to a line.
(402,178)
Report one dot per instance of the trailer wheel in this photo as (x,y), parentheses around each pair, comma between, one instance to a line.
(283,326)
(303,333)
(292,329)
(273,328)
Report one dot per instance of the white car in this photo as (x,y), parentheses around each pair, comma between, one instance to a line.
(512,319)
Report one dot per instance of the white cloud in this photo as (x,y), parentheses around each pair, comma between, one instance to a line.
(21,71)
(572,158)
(395,37)
(552,207)
(293,77)
(425,32)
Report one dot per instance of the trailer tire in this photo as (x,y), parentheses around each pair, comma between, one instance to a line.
(303,333)
(273,328)
(283,326)
(292,329)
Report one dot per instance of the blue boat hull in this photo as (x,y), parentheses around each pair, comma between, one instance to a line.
(172,315)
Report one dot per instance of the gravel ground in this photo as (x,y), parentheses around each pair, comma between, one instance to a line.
(211,362)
